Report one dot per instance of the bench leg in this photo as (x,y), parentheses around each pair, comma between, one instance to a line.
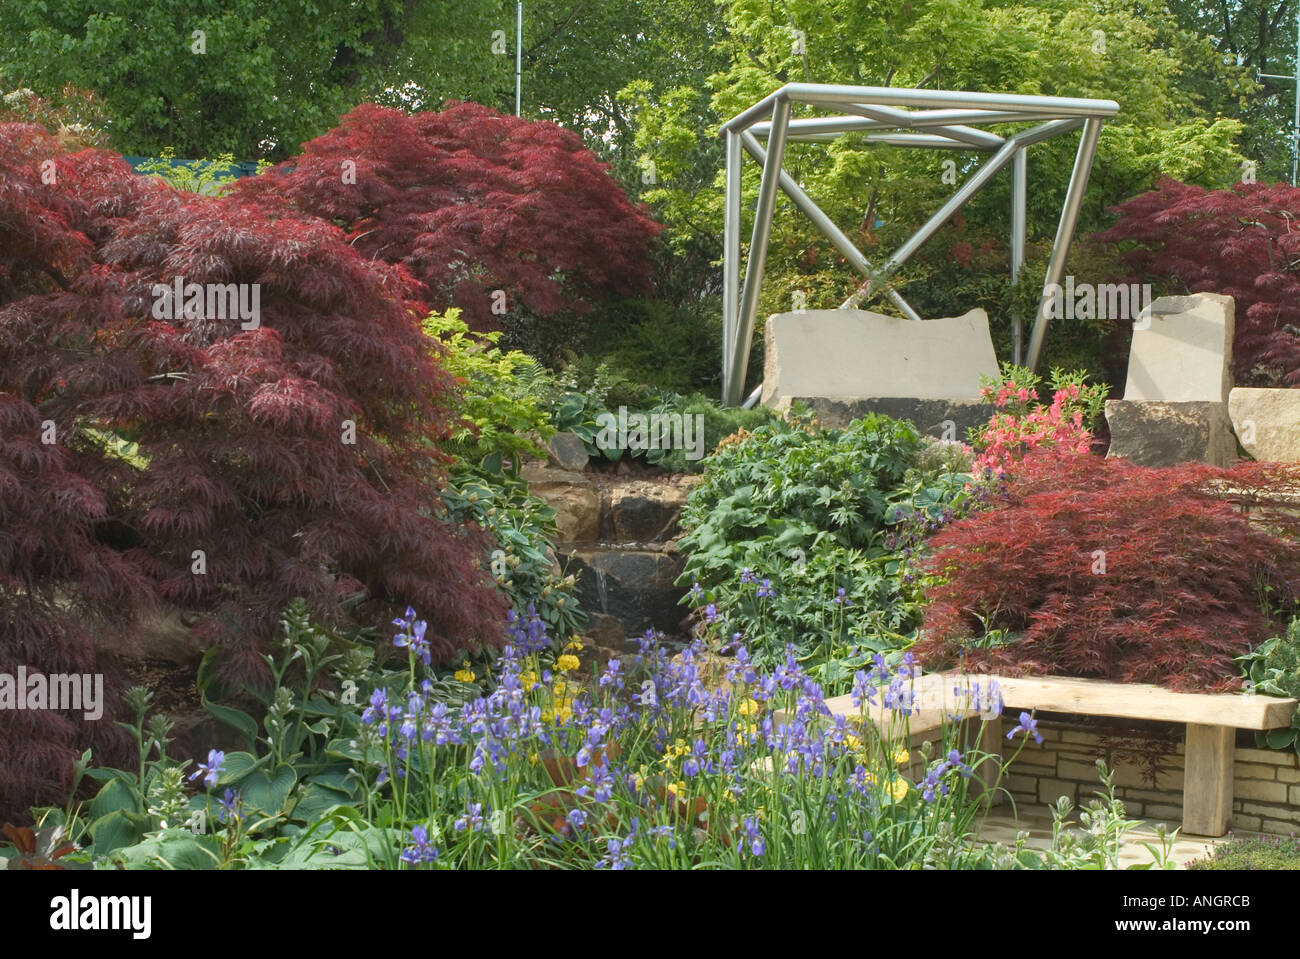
(1207,779)
(986,773)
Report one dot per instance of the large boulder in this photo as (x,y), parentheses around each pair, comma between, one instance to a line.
(567,451)
(1163,434)
(1267,423)
(939,419)
(1175,405)
(575,498)
(645,512)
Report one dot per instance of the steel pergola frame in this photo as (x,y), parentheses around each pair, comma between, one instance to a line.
(936,119)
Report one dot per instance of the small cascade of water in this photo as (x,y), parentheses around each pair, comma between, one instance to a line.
(602,593)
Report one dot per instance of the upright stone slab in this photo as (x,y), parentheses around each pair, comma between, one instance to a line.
(846,363)
(1184,354)
(1267,422)
(1175,408)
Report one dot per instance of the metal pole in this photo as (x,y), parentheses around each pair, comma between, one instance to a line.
(1295,143)
(739,359)
(519,55)
(1019,189)
(927,99)
(1064,233)
(827,226)
(731,257)
(968,189)
(902,120)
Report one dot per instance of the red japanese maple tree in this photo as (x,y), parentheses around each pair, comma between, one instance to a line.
(295,457)
(1099,568)
(1242,242)
(472,201)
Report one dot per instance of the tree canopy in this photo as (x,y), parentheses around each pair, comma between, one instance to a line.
(252,78)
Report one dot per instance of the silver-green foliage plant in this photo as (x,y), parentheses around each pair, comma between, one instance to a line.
(1273,668)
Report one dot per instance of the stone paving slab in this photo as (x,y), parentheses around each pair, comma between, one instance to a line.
(1003,827)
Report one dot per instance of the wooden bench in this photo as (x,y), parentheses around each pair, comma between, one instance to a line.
(1211,720)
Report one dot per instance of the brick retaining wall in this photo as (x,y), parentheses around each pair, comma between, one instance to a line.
(1266,792)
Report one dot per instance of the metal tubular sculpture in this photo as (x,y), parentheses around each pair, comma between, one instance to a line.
(942,119)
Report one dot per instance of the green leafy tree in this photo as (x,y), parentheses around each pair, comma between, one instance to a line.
(251,78)
(1251,37)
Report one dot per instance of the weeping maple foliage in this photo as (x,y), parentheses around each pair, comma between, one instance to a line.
(67,599)
(221,469)
(1096,567)
(472,201)
(1241,242)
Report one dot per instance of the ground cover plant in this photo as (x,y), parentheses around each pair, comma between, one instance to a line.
(1252,852)
(680,432)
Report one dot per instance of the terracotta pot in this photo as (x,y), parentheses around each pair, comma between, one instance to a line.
(565,772)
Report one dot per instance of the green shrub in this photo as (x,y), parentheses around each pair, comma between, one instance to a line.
(503,397)
(500,393)
(672,348)
(719,423)
(523,530)
(803,536)
(594,415)
(651,343)
(207,176)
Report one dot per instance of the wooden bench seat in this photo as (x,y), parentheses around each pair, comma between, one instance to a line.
(1211,720)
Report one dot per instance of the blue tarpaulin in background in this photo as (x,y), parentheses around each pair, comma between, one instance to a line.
(240,168)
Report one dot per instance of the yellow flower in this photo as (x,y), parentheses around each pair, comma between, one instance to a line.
(532,758)
(902,755)
(897,789)
(567,663)
(575,642)
(528,680)
(465,675)
(748,708)
(563,714)
(853,742)
(677,789)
